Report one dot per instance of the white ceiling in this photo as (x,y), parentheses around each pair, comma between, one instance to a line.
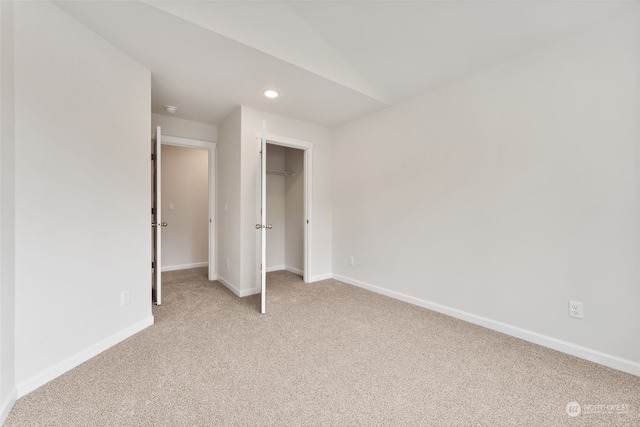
(332,61)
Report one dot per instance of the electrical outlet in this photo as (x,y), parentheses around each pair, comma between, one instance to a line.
(576,310)
(352,260)
(124,298)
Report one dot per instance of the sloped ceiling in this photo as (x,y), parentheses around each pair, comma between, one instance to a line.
(332,61)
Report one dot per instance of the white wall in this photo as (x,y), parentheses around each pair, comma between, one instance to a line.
(228,205)
(294,210)
(275,208)
(82,194)
(7,213)
(501,197)
(185,185)
(182,128)
(320,220)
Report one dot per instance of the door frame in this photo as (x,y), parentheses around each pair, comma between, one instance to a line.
(211,148)
(307,148)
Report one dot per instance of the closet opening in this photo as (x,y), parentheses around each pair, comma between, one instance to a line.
(290,247)
(285,175)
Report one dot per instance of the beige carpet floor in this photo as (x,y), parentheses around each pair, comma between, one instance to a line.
(325,354)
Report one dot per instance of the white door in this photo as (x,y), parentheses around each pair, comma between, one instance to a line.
(262,226)
(157,223)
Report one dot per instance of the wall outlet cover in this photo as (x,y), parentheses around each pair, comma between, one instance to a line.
(576,309)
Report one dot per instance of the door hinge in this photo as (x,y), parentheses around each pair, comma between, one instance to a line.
(153,211)
(153,264)
(153,156)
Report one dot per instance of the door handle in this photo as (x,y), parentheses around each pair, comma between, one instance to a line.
(160,224)
(259,226)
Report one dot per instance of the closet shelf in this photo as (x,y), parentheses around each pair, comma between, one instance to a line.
(281,173)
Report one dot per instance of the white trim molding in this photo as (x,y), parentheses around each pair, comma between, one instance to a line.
(285,268)
(227,284)
(294,270)
(184,266)
(41,379)
(244,293)
(589,354)
(7,405)
(249,292)
(275,268)
(321,277)
(186,142)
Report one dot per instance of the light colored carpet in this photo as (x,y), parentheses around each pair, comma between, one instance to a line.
(325,354)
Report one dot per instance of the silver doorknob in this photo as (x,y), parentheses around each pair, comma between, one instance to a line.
(269,226)
(160,224)
(259,226)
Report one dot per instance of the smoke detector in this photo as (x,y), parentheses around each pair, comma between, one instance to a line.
(170,109)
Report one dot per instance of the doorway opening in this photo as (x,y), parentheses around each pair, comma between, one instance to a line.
(159,225)
(185,207)
(263,226)
(285,209)
(169,142)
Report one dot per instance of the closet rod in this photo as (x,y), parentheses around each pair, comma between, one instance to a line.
(286,173)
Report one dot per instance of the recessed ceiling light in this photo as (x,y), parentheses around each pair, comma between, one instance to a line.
(170,109)
(270,93)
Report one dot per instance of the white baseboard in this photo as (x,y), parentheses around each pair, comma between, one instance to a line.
(235,290)
(256,290)
(294,270)
(183,266)
(592,355)
(38,380)
(286,268)
(227,284)
(320,277)
(248,292)
(7,405)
